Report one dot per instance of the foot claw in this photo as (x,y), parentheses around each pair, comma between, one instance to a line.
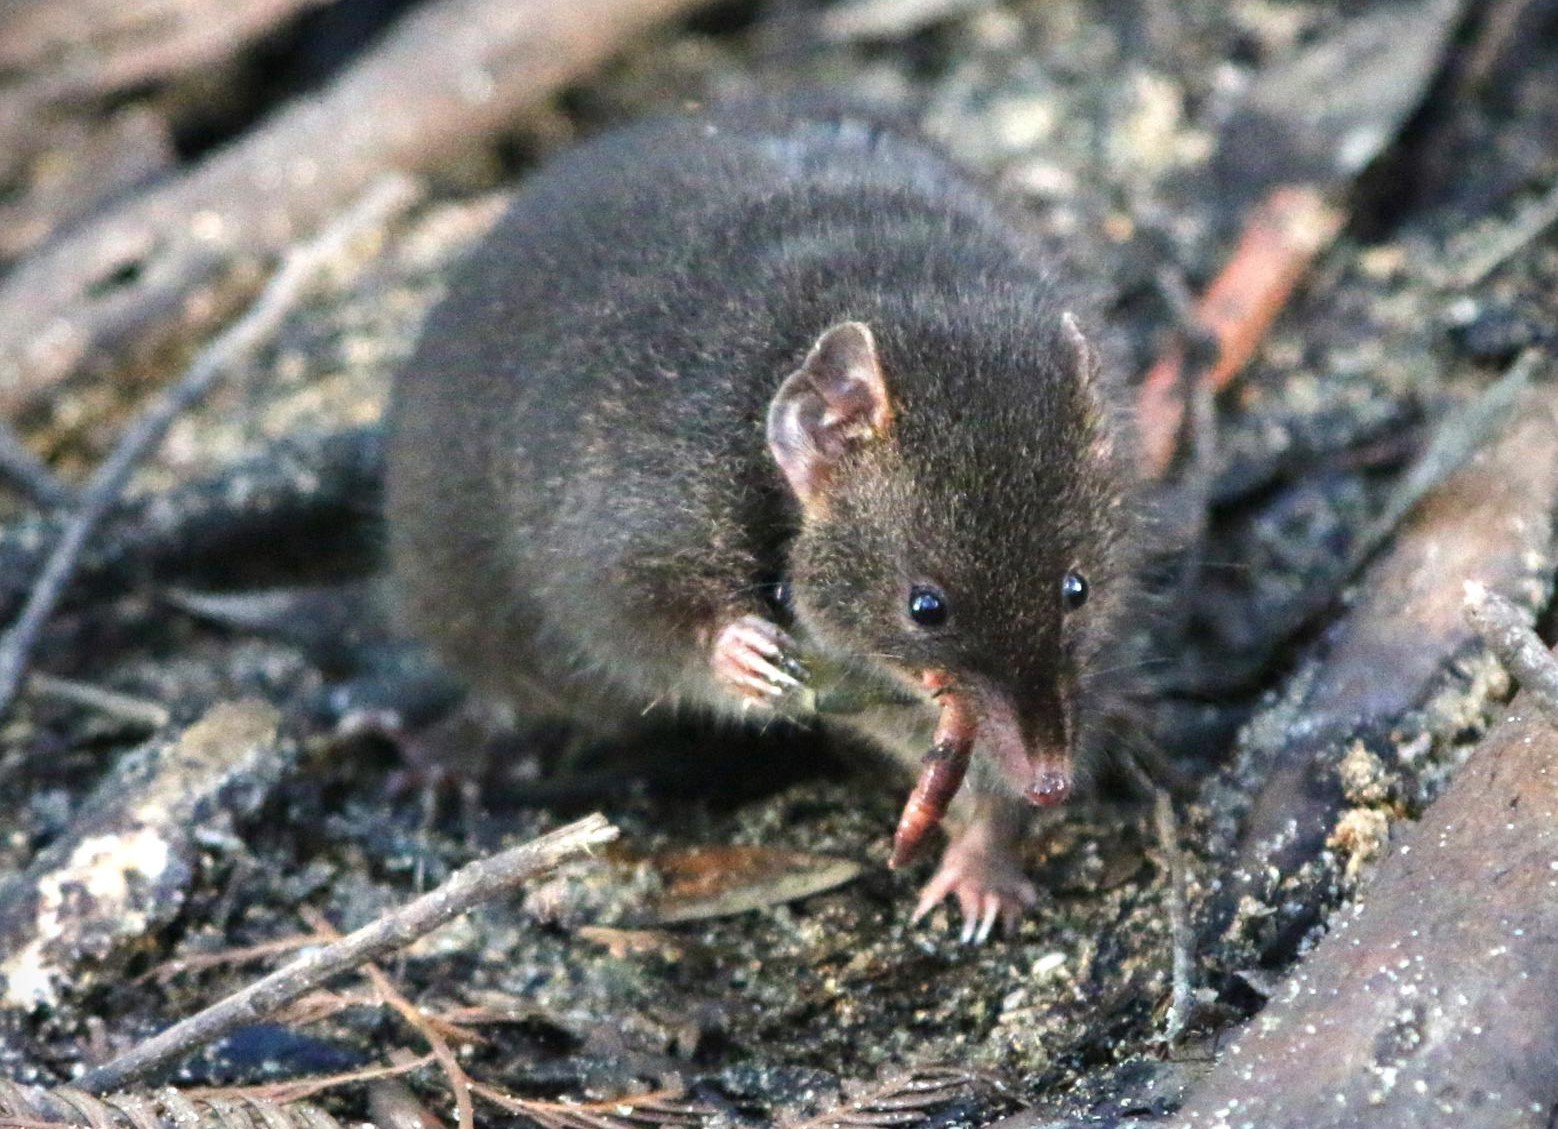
(988,888)
(755,659)
(987,922)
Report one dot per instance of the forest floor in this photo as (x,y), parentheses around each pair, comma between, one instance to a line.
(744,945)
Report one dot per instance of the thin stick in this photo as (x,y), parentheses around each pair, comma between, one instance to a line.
(1522,231)
(27,472)
(166,972)
(1291,226)
(302,1088)
(435,1034)
(1507,632)
(481,881)
(139,711)
(890,19)
(1182,978)
(383,201)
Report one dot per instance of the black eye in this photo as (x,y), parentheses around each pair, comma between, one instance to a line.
(1073,591)
(927,606)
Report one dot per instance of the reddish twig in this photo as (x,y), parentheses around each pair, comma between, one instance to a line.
(1290,227)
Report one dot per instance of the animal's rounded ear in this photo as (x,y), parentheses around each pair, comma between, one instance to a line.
(1084,358)
(1087,369)
(833,404)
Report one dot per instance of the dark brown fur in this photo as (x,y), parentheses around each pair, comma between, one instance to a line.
(580,488)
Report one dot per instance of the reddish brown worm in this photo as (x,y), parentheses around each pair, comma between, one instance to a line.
(941,775)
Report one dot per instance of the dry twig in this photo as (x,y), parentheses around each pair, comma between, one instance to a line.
(173,261)
(138,711)
(220,357)
(479,882)
(27,472)
(1506,629)
(1292,225)
(1523,230)
(891,19)
(167,971)
(433,1031)
(1182,993)
(660,1108)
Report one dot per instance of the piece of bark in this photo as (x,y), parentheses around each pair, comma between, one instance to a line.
(1434,1000)
(708,882)
(93,48)
(1492,521)
(124,868)
(89,163)
(1280,241)
(169,264)
(63,61)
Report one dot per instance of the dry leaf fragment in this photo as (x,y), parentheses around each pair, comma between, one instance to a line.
(705,882)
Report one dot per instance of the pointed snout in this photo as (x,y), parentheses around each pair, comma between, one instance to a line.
(1051,783)
(1028,748)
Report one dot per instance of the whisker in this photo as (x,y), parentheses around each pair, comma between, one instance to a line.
(1141,664)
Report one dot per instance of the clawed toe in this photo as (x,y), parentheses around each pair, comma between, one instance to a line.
(756,659)
(988,892)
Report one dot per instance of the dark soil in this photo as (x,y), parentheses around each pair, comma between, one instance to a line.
(1102,119)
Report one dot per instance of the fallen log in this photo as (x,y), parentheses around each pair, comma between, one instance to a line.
(128,860)
(1433,1000)
(1491,519)
(173,262)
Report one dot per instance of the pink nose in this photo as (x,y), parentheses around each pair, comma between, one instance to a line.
(1051,785)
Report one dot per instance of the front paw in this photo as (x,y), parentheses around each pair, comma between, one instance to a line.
(756,659)
(989,886)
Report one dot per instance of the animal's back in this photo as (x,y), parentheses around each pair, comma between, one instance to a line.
(583,418)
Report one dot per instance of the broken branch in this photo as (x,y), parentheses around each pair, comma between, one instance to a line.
(220,357)
(1506,629)
(26,471)
(1289,228)
(170,263)
(472,885)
